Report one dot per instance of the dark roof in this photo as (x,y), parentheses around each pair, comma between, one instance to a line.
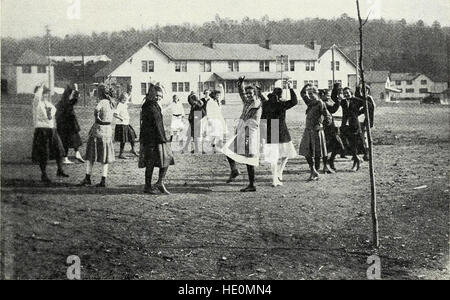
(198,51)
(30,57)
(376,76)
(221,51)
(250,75)
(404,76)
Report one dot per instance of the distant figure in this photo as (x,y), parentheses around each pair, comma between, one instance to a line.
(124,132)
(100,146)
(278,144)
(313,145)
(244,146)
(177,125)
(216,126)
(155,147)
(196,116)
(67,123)
(47,144)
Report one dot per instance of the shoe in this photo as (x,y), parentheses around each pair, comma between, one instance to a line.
(102,184)
(66,161)
(249,189)
(233,175)
(45,179)
(356,165)
(134,153)
(161,187)
(331,164)
(328,170)
(277,183)
(85,182)
(151,191)
(79,157)
(61,173)
(366,157)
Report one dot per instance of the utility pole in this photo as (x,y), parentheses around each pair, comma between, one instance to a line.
(84,79)
(373,201)
(47,29)
(357,64)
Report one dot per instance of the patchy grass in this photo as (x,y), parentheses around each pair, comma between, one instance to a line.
(208,230)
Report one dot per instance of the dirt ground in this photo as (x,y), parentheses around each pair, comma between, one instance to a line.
(208,230)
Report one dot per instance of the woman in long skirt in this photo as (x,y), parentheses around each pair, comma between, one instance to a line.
(216,126)
(177,125)
(124,132)
(100,147)
(278,140)
(47,144)
(67,123)
(196,122)
(155,147)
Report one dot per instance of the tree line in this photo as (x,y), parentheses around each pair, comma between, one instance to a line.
(396,46)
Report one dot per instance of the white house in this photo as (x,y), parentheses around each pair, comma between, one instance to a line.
(31,69)
(415,86)
(186,67)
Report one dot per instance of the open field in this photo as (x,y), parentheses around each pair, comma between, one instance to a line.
(208,230)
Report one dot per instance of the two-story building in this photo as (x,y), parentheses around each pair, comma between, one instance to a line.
(185,67)
(415,86)
(32,69)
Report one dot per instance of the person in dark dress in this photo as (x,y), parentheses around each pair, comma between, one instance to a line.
(274,130)
(196,115)
(352,108)
(371,107)
(313,144)
(155,148)
(67,123)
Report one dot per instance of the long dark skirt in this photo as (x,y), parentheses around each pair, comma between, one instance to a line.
(313,143)
(124,134)
(159,156)
(47,145)
(334,141)
(353,140)
(70,140)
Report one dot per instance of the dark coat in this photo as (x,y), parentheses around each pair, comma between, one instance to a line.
(275,111)
(152,126)
(351,110)
(66,120)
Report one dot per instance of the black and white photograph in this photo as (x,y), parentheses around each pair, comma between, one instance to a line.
(225,146)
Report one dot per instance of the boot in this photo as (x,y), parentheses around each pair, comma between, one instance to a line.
(249,189)
(102,182)
(79,157)
(86,181)
(66,161)
(60,173)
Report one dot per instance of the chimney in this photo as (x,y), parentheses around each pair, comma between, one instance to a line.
(313,44)
(210,44)
(268,44)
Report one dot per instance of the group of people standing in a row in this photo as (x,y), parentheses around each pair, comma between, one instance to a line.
(263,120)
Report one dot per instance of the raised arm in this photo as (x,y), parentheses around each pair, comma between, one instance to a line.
(241,89)
(333,107)
(294,100)
(304,95)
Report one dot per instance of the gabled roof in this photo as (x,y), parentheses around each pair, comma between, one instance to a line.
(376,76)
(221,51)
(30,57)
(404,76)
(250,75)
(324,50)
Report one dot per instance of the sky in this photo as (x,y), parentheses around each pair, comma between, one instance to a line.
(26,18)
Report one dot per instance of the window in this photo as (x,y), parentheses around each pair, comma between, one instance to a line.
(181,87)
(205,66)
(294,84)
(143,88)
(26,69)
(312,82)
(409,82)
(410,91)
(264,66)
(42,69)
(186,86)
(316,83)
(233,66)
(398,82)
(181,66)
(310,66)
(292,66)
(148,66)
(174,86)
(423,91)
(330,84)
(338,65)
(424,82)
